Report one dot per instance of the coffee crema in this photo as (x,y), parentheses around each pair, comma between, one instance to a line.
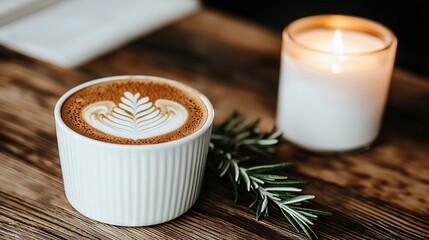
(135,111)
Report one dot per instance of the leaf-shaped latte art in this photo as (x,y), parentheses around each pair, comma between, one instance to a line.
(135,117)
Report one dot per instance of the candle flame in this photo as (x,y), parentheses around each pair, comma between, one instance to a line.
(338,42)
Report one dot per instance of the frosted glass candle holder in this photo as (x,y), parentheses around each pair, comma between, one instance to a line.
(334,82)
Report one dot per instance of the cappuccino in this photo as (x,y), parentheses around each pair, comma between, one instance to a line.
(133,148)
(137,110)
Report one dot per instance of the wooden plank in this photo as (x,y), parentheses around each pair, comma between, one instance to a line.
(378,194)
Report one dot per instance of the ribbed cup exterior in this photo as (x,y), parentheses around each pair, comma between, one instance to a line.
(132,185)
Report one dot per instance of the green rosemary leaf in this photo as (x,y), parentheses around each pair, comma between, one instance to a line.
(291,220)
(286,195)
(282,189)
(253,125)
(241,159)
(267,141)
(276,135)
(241,136)
(256,149)
(309,215)
(298,215)
(259,181)
(244,126)
(256,198)
(261,210)
(225,168)
(246,178)
(270,168)
(234,187)
(298,199)
(313,211)
(221,163)
(222,125)
(236,171)
(218,137)
(308,231)
(232,124)
(268,177)
(287,183)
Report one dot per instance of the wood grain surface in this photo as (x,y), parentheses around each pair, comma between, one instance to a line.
(382,193)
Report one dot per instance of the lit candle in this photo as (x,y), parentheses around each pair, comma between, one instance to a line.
(334,81)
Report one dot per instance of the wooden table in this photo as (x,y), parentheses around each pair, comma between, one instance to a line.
(379,194)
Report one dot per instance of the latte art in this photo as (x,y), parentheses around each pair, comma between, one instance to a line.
(135,117)
(135,110)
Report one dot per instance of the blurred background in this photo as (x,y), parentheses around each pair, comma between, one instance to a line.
(407,19)
(45,28)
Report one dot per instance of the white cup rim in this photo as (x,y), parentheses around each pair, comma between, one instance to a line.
(208,123)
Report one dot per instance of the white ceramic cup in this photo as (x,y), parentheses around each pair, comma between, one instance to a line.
(132,185)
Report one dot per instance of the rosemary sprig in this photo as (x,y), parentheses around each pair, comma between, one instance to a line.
(235,142)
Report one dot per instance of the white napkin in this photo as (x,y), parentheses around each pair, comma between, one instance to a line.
(70,33)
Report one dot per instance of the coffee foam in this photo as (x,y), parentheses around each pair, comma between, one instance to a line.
(134,111)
